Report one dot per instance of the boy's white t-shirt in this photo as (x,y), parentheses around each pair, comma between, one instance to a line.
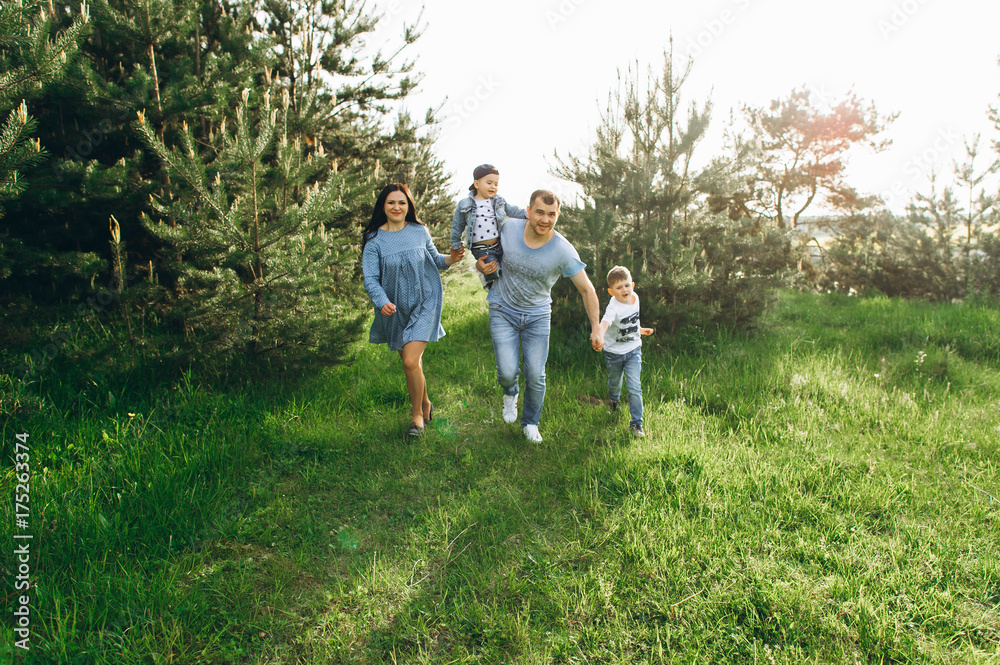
(622,335)
(484,225)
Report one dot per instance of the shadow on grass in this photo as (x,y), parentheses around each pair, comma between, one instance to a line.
(413,530)
(319,533)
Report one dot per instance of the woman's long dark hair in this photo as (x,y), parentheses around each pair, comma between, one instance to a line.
(378,214)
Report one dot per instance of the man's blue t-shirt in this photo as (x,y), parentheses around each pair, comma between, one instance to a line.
(527,274)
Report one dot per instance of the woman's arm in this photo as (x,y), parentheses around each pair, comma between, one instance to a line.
(443,261)
(372,270)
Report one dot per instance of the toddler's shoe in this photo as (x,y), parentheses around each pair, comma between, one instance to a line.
(531,432)
(614,406)
(637,430)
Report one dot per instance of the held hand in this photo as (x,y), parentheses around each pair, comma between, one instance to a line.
(645,331)
(485,268)
(597,340)
(388,309)
(457,254)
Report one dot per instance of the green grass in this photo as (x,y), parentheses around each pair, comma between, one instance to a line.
(826,491)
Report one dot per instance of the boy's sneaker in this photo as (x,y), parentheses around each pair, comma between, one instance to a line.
(614,406)
(637,430)
(531,432)
(509,408)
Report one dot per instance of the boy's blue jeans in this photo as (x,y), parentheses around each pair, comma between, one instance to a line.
(629,364)
(526,335)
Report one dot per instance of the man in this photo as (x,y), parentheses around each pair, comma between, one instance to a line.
(535,256)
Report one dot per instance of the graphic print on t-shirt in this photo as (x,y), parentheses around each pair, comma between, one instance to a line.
(628,328)
(484,226)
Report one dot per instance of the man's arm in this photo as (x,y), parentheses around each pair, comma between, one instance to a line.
(590,303)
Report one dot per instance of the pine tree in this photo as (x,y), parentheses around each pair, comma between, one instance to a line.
(409,157)
(640,165)
(34,54)
(646,207)
(260,271)
(938,212)
(203,55)
(980,205)
(31,57)
(184,63)
(17,152)
(341,94)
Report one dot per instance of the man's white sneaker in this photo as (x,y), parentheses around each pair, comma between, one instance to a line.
(531,431)
(509,408)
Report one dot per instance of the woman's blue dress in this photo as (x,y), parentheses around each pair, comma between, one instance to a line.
(402,267)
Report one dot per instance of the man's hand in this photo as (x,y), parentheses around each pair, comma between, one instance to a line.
(597,340)
(586,289)
(388,309)
(485,268)
(457,254)
(645,331)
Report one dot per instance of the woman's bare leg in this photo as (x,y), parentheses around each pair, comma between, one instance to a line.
(416,384)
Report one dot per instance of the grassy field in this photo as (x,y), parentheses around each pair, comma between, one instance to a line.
(824,492)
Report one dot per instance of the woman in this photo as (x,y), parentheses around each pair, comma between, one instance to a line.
(401,267)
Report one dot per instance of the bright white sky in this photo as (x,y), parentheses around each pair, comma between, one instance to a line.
(521,79)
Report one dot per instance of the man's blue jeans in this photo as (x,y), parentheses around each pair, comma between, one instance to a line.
(629,364)
(517,334)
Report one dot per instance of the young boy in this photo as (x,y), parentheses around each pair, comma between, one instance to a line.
(622,345)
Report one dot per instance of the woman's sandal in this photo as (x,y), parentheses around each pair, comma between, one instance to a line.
(415,430)
(430,414)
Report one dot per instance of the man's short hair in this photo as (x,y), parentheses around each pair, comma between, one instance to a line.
(618,274)
(547,197)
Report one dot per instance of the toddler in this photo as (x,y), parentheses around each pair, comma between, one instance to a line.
(480,215)
(622,345)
